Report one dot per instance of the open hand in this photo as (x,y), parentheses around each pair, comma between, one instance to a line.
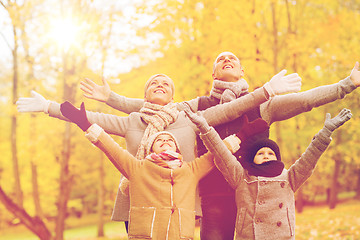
(94,91)
(355,75)
(36,103)
(340,119)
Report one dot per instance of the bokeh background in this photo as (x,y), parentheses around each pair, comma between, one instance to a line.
(55,185)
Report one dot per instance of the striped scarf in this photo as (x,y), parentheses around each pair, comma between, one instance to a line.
(158,118)
(166,159)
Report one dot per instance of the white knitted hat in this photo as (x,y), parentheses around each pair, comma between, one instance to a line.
(151,139)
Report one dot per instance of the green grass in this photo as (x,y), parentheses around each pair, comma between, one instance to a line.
(314,223)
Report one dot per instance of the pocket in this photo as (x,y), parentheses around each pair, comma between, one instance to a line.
(187,223)
(141,222)
(291,220)
(240,220)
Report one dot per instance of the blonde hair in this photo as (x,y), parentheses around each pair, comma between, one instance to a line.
(172,85)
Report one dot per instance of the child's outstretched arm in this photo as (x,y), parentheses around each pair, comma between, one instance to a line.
(120,158)
(302,169)
(221,149)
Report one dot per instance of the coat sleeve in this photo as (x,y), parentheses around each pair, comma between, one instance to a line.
(124,104)
(225,161)
(202,165)
(223,113)
(193,104)
(302,169)
(120,158)
(112,124)
(286,106)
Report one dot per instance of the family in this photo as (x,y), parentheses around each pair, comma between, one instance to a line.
(176,167)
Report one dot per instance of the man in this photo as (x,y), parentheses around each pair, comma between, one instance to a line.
(217,197)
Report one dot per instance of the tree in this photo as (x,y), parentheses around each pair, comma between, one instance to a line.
(13,10)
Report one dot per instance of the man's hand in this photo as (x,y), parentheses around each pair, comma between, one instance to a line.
(36,103)
(280,83)
(355,75)
(93,91)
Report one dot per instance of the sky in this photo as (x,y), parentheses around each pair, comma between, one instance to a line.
(116,64)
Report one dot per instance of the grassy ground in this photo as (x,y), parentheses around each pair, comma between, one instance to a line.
(314,223)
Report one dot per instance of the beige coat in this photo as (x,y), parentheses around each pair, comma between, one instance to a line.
(162,200)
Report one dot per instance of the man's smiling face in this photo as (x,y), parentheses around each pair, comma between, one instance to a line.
(227,68)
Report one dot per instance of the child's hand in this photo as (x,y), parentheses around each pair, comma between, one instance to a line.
(333,123)
(75,115)
(199,121)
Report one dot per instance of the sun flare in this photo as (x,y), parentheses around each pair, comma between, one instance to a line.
(64,32)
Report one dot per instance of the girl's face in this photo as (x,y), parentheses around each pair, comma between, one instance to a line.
(264,154)
(162,143)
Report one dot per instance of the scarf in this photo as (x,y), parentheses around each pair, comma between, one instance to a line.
(166,159)
(267,169)
(228,91)
(157,118)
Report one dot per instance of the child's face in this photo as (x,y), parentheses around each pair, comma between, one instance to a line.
(264,154)
(162,143)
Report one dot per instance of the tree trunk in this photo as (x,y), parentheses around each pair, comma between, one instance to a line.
(34,224)
(358,184)
(334,184)
(299,194)
(101,196)
(36,195)
(65,178)
(17,183)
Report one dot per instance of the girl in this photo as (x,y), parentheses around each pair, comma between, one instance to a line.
(161,186)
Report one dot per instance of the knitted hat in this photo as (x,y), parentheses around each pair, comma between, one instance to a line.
(266,169)
(257,145)
(160,75)
(150,142)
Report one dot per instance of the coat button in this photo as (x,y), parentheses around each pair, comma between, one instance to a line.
(282,184)
(278,223)
(258,220)
(281,205)
(261,202)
